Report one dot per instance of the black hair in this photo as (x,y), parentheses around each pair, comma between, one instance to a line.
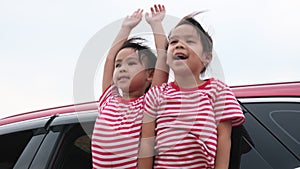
(205,38)
(145,54)
(144,51)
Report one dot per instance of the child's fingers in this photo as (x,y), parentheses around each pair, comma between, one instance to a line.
(137,12)
(163,8)
(140,11)
(152,10)
(158,8)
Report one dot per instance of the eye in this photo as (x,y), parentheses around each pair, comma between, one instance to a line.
(172,42)
(131,63)
(190,41)
(117,65)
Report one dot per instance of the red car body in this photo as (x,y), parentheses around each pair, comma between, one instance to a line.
(270,137)
(290,89)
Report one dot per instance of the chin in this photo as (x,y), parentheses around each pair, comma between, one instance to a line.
(122,87)
(182,71)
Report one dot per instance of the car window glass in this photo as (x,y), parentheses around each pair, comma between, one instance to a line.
(12,146)
(75,148)
(266,150)
(282,120)
(288,122)
(252,158)
(244,154)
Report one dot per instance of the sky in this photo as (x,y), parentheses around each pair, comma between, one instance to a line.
(52,51)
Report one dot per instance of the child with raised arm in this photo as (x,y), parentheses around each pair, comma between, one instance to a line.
(191,118)
(129,66)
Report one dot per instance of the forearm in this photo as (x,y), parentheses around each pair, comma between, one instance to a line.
(146,153)
(147,142)
(223,154)
(223,145)
(161,73)
(121,37)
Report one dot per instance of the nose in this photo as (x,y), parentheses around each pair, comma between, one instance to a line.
(179,44)
(122,68)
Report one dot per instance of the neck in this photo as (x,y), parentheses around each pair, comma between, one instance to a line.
(131,95)
(188,81)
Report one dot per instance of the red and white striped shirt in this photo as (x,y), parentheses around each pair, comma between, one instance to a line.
(116,134)
(187,119)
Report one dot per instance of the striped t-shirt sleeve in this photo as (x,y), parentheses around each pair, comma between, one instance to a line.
(108,92)
(151,101)
(226,106)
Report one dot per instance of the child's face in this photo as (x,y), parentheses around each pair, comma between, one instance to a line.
(185,51)
(130,74)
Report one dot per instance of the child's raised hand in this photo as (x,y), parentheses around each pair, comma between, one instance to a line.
(157,14)
(134,19)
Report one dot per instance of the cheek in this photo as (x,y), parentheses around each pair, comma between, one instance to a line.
(136,70)
(201,57)
(170,49)
(114,76)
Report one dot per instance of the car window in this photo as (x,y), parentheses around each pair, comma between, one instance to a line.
(74,151)
(10,150)
(288,121)
(18,148)
(282,119)
(267,150)
(252,156)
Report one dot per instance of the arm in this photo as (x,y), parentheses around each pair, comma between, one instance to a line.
(146,150)
(223,145)
(128,24)
(161,72)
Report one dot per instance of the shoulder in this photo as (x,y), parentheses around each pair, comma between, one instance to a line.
(160,88)
(157,93)
(112,90)
(216,84)
(217,89)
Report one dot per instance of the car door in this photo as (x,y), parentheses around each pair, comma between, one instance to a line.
(20,141)
(67,143)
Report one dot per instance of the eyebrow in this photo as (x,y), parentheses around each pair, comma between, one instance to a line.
(127,58)
(184,36)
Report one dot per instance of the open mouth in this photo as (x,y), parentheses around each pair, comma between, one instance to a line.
(180,57)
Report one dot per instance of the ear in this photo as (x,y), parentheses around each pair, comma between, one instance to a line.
(207,58)
(150,73)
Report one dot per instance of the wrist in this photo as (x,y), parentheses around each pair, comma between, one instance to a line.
(155,23)
(157,29)
(126,28)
